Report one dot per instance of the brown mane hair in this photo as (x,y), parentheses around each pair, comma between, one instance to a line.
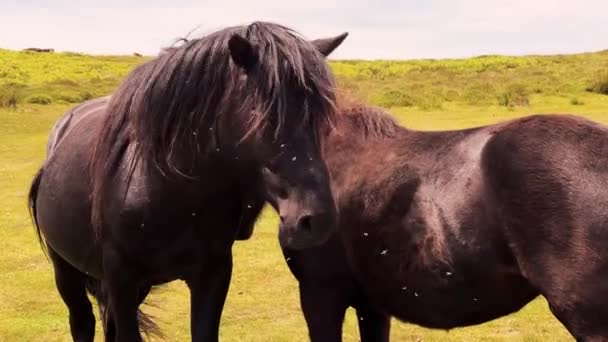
(165,102)
(373,121)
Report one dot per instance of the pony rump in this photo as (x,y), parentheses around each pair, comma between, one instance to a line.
(173,102)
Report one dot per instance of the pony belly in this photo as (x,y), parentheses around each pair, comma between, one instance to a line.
(417,286)
(440,299)
(461,309)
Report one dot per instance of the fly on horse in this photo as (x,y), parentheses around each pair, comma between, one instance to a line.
(455,228)
(155,182)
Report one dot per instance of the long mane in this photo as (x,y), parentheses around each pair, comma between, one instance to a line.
(172,102)
(369,121)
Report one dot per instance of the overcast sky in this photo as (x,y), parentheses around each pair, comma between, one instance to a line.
(380,29)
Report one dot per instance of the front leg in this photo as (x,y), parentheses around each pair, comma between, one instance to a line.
(374,326)
(121,283)
(208,291)
(324,307)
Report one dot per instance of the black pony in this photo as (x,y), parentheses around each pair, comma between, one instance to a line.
(456,228)
(154,183)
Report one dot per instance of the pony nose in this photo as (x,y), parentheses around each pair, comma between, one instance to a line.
(307,230)
(305,223)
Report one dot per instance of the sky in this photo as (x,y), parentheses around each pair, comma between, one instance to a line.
(378,29)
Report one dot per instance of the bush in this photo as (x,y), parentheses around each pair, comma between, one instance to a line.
(514,96)
(576,102)
(395,98)
(75,98)
(600,85)
(478,94)
(69,98)
(40,99)
(429,101)
(451,95)
(64,83)
(11,94)
(86,95)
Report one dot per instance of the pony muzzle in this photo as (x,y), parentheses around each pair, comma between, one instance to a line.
(307,230)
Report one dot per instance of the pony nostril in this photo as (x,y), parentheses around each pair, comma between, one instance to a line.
(306,223)
(282,219)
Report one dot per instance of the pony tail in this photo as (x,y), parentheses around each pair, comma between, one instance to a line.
(32,196)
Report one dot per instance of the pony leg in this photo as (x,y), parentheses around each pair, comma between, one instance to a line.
(585,320)
(324,308)
(109,329)
(71,284)
(123,299)
(374,326)
(577,290)
(208,291)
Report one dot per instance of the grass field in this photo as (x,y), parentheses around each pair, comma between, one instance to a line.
(263,300)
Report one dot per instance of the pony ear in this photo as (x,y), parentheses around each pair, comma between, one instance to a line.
(242,52)
(327,45)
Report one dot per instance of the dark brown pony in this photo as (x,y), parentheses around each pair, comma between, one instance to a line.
(153,183)
(456,228)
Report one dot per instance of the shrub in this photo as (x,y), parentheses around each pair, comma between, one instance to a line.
(85,95)
(576,102)
(451,95)
(480,93)
(64,82)
(395,98)
(600,85)
(69,98)
(40,99)
(75,98)
(514,96)
(11,94)
(429,101)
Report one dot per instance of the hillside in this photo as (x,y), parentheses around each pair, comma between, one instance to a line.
(45,78)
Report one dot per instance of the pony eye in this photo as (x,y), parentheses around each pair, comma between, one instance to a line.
(282,193)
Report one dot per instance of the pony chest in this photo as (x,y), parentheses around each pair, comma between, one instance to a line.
(177,217)
(170,242)
(173,254)
(173,235)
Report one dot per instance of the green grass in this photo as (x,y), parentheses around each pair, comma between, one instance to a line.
(63,77)
(263,300)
